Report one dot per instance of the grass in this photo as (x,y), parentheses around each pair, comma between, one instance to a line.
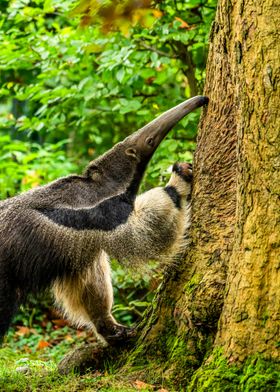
(36,342)
(42,375)
(29,357)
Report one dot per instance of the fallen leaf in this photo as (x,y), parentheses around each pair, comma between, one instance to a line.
(42,344)
(142,385)
(22,331)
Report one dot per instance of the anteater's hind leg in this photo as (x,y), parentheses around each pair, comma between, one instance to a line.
(87,299)
(8,304)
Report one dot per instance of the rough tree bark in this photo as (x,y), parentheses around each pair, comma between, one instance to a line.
(220,307)
(250,319)
(226,294)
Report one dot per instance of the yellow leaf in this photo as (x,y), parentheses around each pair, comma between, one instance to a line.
(91,151)
(157,14)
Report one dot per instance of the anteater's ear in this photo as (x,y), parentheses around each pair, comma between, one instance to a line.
(93,172)
(131,152)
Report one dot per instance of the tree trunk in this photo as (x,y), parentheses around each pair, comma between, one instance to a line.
(225,297)
(220,307)
(250,321)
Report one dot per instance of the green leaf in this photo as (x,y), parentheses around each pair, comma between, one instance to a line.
(120,75)
(129,106)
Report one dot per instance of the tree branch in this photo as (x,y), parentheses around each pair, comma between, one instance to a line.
(153,49)
(189,69)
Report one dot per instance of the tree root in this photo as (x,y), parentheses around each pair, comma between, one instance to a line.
(95,356)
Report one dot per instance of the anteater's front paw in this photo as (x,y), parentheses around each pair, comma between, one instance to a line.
(184,170)
(116,333)
(121,334)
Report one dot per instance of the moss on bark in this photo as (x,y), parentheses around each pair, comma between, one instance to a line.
(256,374)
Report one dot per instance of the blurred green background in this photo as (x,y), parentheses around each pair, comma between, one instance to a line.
(76,79)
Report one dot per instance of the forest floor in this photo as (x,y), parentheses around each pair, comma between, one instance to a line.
(39,338)
(23,374)
(20,372)
(29,358)
(43,376)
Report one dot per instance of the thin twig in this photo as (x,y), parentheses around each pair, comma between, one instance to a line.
(153,49)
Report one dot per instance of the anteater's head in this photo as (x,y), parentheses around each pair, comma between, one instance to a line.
(124,165)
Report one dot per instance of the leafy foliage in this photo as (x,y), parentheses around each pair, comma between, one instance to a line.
(27,164)
(61,81)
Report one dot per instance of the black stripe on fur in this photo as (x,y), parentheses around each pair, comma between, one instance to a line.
(106,216)
(174,195)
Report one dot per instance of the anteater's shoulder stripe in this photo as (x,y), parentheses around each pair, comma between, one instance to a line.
(174,195)
(106,216)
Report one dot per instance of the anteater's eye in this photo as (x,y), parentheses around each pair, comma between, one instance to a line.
(150,142)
